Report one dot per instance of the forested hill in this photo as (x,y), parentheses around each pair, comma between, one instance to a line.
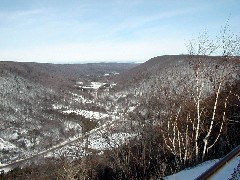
(61,74)
(177,67)
(30,95)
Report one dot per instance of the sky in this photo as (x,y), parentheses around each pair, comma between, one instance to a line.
(79,31)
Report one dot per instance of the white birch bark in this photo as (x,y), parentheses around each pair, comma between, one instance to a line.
(205,141)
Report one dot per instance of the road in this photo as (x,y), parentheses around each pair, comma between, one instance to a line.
(34,156)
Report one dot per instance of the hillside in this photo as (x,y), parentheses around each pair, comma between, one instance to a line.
(30,95)
(151,120)
(177,67)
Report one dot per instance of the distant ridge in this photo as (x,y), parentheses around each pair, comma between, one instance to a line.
(156,66)
(52,74)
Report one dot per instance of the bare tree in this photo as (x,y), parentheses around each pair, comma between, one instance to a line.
(217,75)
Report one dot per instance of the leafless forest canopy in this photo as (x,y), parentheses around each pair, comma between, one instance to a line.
(117,120)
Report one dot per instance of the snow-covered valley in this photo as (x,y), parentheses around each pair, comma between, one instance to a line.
(105,133)
(145,124)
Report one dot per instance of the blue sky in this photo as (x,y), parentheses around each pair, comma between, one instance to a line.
(65,31)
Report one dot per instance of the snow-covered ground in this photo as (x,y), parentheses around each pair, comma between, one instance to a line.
(227,171)
(93,85)
(114,140)
(5,169)
(98,139)
(87,114)
(69,125)
(192,173)
(107,135)
(6,145)
(82,99)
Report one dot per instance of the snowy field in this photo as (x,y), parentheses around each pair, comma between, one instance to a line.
(87,114)
(192,173)
(5,145)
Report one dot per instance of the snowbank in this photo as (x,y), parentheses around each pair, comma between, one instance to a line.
(194,172)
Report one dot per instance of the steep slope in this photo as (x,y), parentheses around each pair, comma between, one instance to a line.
(31,97)
(150,68)
(174,71)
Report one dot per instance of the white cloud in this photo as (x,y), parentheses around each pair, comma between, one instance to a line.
(138,23)
(14,15)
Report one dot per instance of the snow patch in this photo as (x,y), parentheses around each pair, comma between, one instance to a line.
(79,83)
(57,106)
(6,145)
(80,98)
(193,173)
(87,114)
(70,125)
(131,109)
(99,142)
(94,85)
